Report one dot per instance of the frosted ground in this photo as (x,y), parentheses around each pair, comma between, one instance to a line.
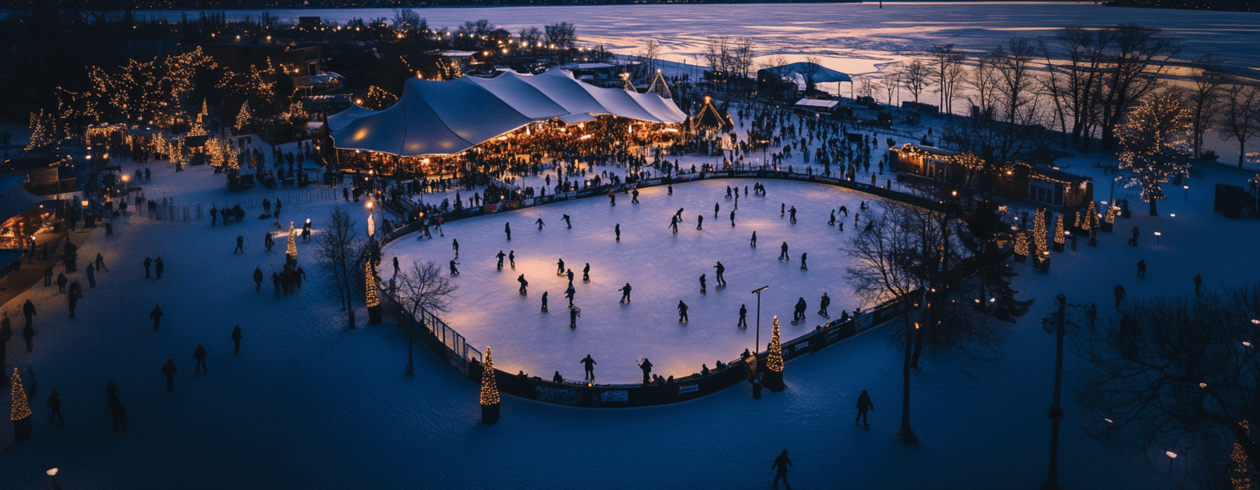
(662,267)
(311,404)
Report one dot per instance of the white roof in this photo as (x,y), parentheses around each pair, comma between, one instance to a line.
(442,118)
(343,118)
(819,103)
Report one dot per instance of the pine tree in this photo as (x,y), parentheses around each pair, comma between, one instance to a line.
(1151,146)
(489,390)
(371,294)
(1059,235)
(1091,217)
(1039,231)
(291,249)
(1021,243)
(21,409)
(774,354)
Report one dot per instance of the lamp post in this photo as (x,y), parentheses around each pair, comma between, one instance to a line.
(52,473)
(1172,458)
(1056,412)
(757,340)
(371,205)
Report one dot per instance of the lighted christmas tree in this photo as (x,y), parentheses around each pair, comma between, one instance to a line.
(1039,231)
(369,280)
(1021,243)
(43,126)
(1059,236)
(1111,215)
(1091,217)
(774,354)
(1240,478)
(244,116)
(1152,145)
(21,412)
(489,391)
(290,250)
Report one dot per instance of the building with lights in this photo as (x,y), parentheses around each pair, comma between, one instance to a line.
(1018,181)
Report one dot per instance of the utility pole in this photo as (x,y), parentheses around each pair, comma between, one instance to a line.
(1056,413)
(757,344)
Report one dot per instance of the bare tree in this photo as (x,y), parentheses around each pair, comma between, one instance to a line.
(338,249)
(914,76)
(406,20)
(1014,75)
(651,50)
(742,57)
(529,37)
(1135,58)
(718,54)
(1147,147)
(1240,115)
(891,80)
(1204,100)
(1084,51)
(425,287)
(946,72)
(810,72)
(1174,373)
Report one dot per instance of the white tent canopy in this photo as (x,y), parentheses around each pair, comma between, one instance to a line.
(442,118)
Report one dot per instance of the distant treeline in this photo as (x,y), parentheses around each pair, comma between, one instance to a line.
(93,5)
(1223,5)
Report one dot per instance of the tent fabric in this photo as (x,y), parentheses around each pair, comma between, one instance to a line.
(344,118)
(822,74)
(14,198)
(443,118)
(659,86)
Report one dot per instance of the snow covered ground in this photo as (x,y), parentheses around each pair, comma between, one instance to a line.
(310,404)
(660,266)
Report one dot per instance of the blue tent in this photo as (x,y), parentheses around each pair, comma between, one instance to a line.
(822,74)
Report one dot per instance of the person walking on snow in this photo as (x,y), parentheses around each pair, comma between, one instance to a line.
(236,339)
(169,370)
(864,405)
(156,315)
(200,356)
(590,367)
(780,466)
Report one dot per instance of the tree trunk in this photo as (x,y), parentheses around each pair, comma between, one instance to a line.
(1154,211)
(1242,152)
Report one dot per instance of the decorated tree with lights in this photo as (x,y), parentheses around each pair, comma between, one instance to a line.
(20,413)
(1039,232)
(1021,246)
(290,250)
(243,117)
(774,360)
(43,132)
(1152,144)
(371,293)
(489,391)
(379,98)
(1059,234)
(1091,216)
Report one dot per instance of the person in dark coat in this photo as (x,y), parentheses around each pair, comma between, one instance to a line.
(111,393)
(1198,282)
(200,356)
(524,284)
(500,256)
(586,273)
(169,370)
(721,280)
(783,251)
(507,228)
(236,339)
(158,266)
(147,263)
(864,405)
(682,312)
(91,276)
(54,404)
(258,279)
(617,231)
(240,245)
(28,310)
(702,283)
(625,293)
(544,302)
(590,367)
(1091,314)
(574,313)
(646,366)
(395,266)
(823,304)
(28,334)
(1141,267)
(803,266)
(743,317)
(61,282)
(780,468)
(119,414)
(1119,292)
(48,276)
(156,315)
(100,263)
(76,292)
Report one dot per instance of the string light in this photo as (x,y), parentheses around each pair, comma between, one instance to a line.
(1148,146)
(1239,477)
(1111,215)
(489,390)
(774,355)
(1039,231)
(244,116)
(1059,237)
(1021,243)
(291,248)
(21,409)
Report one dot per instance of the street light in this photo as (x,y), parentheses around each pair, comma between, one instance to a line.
(1157,235)
(371,205)
(1172,457)
(52,473)
(757,340)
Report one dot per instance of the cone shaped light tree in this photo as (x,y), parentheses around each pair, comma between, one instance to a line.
(489,391)
(1039,231)
(371,294)
(774,360)
(1059,235)
(1021,245)
(21,410)
(290,250)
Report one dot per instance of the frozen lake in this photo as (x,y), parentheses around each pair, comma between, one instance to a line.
(855,38)
(661,267)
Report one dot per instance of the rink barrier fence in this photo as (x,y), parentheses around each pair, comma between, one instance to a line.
(454,349)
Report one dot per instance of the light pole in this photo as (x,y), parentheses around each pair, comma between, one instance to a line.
(1172,458)
(371,205)
(52,473)
(1056,412)
(757,341)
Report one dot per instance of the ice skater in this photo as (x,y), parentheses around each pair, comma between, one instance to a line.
(799,313)
(617,231)
(567,222)
(590,367)
(524,284)
(863,405)
(780,468)
(716,207)
(803,266)
(679,214)
(634,196)
(832,221)
(454,271)
(782,209)
(753,242)
(1141,269)
(507,228)
(500,256)
(455,245)
(702,288)
(844,211)
(673,224)
(732,219)
(569,273)
(568,294)
(511,258)
(682,312)
(823,304)
(586,273)
(743,317)
(792,215)
(560,267)
(783,252)
(625,294)
(574,313)
(540,224)
(699,222)
(544,302)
